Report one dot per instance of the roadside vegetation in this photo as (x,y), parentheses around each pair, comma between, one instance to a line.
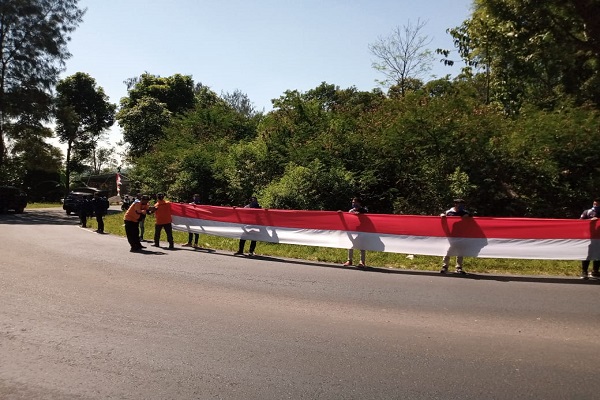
(43,205)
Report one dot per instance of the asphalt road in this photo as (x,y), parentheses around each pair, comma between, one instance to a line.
(83,318)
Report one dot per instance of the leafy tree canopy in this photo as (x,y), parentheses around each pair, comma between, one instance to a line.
(531,51)
(33,48)
(83,113)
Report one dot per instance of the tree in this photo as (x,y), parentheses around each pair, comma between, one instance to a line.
(151,102)
(33,39)
(240,102)
(83,113)
(402,55)
(143,124)
(103,159)
(540,52)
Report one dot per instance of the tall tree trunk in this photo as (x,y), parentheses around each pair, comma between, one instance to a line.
(68,167)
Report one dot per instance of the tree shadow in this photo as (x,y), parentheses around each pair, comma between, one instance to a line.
(39,216)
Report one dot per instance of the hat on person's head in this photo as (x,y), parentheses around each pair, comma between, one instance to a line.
(159,195)
(144,197)
(458,201)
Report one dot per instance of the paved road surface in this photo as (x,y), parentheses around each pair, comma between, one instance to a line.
(83,318)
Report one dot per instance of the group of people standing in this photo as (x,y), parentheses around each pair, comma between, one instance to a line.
(137,211)
(136,214)
(97,206)
(457,210)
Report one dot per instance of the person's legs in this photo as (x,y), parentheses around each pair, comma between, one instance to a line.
(141,229)
(252,247)
(100,223)
(445,262)
(189,242)
(363,254)
(157,230)
(133,235)
(596,267)
(585,264)
(169,232)
(350,256)
(196,238)
(459,262)
(241,247)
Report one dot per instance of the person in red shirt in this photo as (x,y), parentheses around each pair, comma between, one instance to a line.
(162,213)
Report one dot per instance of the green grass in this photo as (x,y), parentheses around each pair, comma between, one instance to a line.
(114,225)
(43,205)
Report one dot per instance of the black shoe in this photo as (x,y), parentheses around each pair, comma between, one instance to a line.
(444,271)
(460,271)
(238,253)
(155,245)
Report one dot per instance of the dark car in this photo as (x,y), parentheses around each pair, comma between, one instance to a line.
(72,201)
(12,198)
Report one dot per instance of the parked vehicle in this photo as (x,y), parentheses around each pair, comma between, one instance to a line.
(12,198)
(71,202)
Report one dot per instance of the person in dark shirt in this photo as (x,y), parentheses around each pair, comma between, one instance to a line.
(194,236)
(591,214)
(100,206)
(357,208)
(253,203)
(84,209)
(458,210)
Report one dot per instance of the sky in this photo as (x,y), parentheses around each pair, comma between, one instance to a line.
(259,47)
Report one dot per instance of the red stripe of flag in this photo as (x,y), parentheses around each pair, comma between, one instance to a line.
(410,225)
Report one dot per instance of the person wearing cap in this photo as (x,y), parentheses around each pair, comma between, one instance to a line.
(162,213)
(193,236)
(141,223)
(458,210)
(132,222)
(100,206)
(252,203)
(591,214)
(357,208)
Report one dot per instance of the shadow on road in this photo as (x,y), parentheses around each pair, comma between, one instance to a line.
(43,216)
(471,276)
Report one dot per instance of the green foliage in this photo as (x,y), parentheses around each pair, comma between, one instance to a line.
(408,154)
(83,113)
(33,48)
(148,109)
(535,52)
(143,124)
(314,187)
(245,168)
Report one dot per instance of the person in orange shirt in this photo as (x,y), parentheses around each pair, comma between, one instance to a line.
(162,212)
(132,222)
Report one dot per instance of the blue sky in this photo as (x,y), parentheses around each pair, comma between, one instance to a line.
(261,47)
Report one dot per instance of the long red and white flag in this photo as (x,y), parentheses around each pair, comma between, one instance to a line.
(118,184)
(524,238)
